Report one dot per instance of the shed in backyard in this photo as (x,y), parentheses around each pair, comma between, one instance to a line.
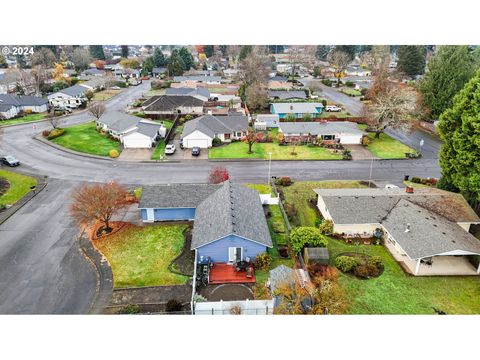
(316,255)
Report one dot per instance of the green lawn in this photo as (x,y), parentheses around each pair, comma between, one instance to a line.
(238,150)
(24,119)
(338,115)
(140,256)
(386,147)
(261,188)
(85,138)
(394,292)
(298,195)
(159,152)
(166,122)
(105,94)
(351,92)
(158,92)
(19,186)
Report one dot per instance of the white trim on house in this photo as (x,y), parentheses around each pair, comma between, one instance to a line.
(241,237)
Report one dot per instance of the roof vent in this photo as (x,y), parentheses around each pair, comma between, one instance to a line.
(407,230)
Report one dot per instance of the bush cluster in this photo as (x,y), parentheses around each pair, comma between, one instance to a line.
(345,263)
(216,141)
(366,271)
(327,82)
(262,261)
(284,181)
(113,153)
(427,181)
(55,133)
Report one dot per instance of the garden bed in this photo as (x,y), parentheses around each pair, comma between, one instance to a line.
(368,267)
(185,262)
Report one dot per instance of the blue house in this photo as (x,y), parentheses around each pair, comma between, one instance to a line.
(299,109)
(229,221)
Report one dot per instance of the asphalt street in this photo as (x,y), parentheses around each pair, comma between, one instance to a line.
(42,269)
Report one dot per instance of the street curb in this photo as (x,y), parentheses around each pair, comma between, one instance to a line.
(104,289)
(5,215)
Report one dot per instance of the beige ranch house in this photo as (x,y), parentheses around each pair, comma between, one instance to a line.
(427,231)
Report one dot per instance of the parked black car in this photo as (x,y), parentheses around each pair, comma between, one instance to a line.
(195,151)
(10,161)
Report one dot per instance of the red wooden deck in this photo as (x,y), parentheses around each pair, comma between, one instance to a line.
(224,273)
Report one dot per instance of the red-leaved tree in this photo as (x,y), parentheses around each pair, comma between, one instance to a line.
(98,202)
(218,174)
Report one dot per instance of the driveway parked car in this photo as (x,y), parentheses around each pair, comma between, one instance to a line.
(170,149)
(196,151)
(10,161)
(333,108)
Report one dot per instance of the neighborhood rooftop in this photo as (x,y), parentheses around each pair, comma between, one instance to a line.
(321,128)
(292,108)
(232,209)
(198,78)
(169,103)
(21,100)
(119,121)
(212,125)
(279,94)
(188,91)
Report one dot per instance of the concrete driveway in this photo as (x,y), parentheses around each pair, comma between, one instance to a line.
(135,154)
(187,154)
(360,152)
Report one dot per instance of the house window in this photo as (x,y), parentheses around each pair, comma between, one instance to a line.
(235,254)
(226,136)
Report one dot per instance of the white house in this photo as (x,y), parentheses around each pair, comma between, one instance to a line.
(343,132)
(266,121)
(426,231)
(12,105)
(73,96)
(202,130)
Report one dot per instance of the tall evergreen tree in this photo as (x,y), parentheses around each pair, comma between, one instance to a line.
(147,65)
(158,58)
(459,128)
(322,51)
(411,59)
(187,58)
(223,49)
(208,49)
(175,64)
(97,52)
(350,50)
(125,51)
(275,49)
(447,72)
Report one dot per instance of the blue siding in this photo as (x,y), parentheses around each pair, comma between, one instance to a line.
(174,214)
(218,250)
(143,213)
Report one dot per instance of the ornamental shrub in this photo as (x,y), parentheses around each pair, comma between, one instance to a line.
(216,141)
(113,153)
(375,261)
(326,227)
(345,263)
(55,133)
(262,261)
(303,236)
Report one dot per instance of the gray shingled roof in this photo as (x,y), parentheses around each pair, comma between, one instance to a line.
(148,129)
(278,94)
(170,103)
(199,78)
(5,107)
(175,195)
(211,125)
(232,209)
(294,108)
(361,206)
(119,121)
(429,233)
(188,91)
(22,100)
(75,90)
(320,128)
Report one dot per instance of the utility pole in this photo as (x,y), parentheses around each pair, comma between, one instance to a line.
(371,169)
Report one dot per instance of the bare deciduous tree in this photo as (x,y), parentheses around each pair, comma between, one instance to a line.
(96,109)
(255,69)
(257,96)
(55,121)
(339,60)
(81,59)
(97,202)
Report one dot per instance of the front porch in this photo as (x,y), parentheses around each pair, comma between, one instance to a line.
(440,265)
(223,273)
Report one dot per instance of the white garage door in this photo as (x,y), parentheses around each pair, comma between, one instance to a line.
(190,143)
(351,139)
(132,143)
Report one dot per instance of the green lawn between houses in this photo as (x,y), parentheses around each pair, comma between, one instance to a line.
(238,150)
(140,256)
(393,292)
(24,119)
(85,138)
(104,95)
(19,186)
(159,152)
(386,147)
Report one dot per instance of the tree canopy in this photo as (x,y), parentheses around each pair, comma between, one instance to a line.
(125,51)
(175,64)
(187,58)
(158,58)
(411,59)
(350,50)
(459,128)
(321,52)
(97,52)
(447,72)
(306,236)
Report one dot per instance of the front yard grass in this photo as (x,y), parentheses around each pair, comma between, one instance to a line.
(238,150)
(19,186)
(24,119)
(105,94)
(140,256)
(299,195)
(394,292)
(85,138)
(351,92)
(386,147)
(159,152)
(152,92)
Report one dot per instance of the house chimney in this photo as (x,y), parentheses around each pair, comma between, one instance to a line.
(408,228)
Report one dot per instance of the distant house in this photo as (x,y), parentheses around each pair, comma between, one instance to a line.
(286,95)
(228,220)
(299,110)
(266,121)
(358,71)
(202,130)
(199,93)
(72,96)
(343,132)
(132,131)
(229,73)
(94,84)
(158,71)
(427,231)
(93,72)
(198,79)
(12,105)
(173,105)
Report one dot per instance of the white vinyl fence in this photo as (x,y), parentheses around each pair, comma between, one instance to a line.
(243,307)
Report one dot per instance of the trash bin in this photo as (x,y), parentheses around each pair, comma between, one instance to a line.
(405,178)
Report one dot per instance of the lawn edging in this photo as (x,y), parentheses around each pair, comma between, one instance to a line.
(244,159)
(104,290)
(6,214)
